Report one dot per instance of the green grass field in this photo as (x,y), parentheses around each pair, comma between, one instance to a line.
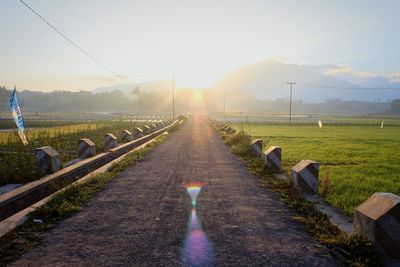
(358,159)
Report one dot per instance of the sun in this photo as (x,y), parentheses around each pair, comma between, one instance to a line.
(198,97)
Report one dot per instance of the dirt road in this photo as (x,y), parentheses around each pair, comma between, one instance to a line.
(144,217)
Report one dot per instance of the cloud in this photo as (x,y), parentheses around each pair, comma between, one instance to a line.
(346,70)
(363,78)
(395,77)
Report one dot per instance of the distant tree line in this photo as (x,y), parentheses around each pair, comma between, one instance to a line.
(4,96)
(61,101)
(161,101)
(395,106)
(335,105)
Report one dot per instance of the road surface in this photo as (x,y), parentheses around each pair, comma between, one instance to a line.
(145,218)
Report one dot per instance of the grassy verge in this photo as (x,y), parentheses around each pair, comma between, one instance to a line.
(64,205)
(353,250)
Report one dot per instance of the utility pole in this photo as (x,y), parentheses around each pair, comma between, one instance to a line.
(290,107)
(186,93)
(173,97)
(224,101)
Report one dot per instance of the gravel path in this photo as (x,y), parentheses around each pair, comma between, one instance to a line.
(144,217)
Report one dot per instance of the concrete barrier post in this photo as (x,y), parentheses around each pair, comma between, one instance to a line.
(48,160)
(256,145)
(137,133)
(304,176)
(87,148)
(110,141)
(126,136)
(272,158)
(146,130)
(378,218)
(230,130)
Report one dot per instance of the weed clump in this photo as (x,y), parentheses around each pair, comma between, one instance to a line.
(325,184)
(239,143)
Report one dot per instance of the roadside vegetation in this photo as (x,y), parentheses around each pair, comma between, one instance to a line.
(353,250)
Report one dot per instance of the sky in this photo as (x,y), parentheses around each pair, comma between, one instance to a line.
(197,41)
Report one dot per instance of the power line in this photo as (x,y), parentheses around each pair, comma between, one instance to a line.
(173,97)
(348,87)
(290,107)
(224,101)
(72,42)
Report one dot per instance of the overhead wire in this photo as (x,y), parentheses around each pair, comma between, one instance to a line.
(98,62)
(347,87)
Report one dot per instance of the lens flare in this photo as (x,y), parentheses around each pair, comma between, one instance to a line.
(193,189)
(197,249)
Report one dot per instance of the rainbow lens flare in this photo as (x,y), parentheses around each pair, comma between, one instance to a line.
(193,190)
(197,249)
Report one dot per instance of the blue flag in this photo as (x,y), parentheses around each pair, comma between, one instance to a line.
(17,116)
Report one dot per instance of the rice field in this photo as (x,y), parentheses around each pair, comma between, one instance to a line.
(10,137)
(359,159)
(18,163)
